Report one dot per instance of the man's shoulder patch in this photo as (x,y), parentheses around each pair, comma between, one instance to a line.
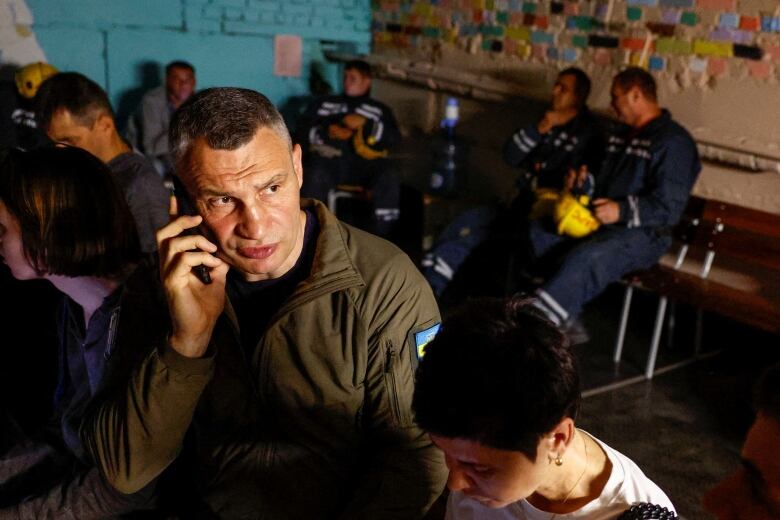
(423,337)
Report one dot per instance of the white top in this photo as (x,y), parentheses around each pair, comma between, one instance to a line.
(627,485)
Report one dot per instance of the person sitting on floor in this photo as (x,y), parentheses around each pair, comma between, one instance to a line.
(74,110)
(753,491)
(498,391)
(346,139)
(63,219)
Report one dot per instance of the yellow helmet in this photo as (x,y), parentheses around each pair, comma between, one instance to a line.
(573,218)
(30,77)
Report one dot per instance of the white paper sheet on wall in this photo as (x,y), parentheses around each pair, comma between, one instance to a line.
(288,54)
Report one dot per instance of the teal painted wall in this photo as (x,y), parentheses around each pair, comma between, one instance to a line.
(124,44)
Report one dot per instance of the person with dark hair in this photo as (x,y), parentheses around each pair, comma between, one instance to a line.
(640,191)
(148,127)
(64,220)
(568,136)
(752,492)
(74,110)
(293,365)
(498,391)
(347,139)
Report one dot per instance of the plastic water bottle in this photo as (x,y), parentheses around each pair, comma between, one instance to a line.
(446,153)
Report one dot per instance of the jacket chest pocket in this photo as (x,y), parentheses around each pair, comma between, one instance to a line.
(397,385)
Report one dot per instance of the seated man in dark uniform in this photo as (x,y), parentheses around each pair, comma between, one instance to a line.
(347,139)
(566,137)
(641,189)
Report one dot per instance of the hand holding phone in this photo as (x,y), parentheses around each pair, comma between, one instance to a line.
(194,305)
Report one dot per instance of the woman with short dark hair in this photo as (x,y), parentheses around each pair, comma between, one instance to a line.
(498,390)
(63,219)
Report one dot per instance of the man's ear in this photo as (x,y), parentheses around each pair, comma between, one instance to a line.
(297,163)
(104,123)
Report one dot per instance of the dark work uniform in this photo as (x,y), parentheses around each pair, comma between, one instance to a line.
(650,172)
(330,162)
(18,127)
(544,160)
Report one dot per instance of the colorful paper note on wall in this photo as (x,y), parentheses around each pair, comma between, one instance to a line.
(697,65)
(689,18)
(670,16)
(717,66)
(673,46)
(710,48)
(657,63)
(749,23)
(728,20)
(676,3)
(760,69)
(288,55)
(773,51)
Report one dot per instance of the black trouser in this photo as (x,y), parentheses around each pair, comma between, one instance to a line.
(320,175)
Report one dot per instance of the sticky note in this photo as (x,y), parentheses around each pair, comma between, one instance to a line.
(502,17)
(516,18)
(518,33)
(749,23)
(529,8)
(541,22)
(717,66)
(657,63)
(770,24)
(689,18)
(759,69)
(570,54)
(580,40)
(633,13)
(661,29)
(634,44)
(673,46)
(579,22)
(541,37)
(649,3)
(711,48)
(670,16)
(728,20)
(697,64)
(731,35)
(539,52)
(773,51)
(556,7)
(510,46)
(552,54)
(749,52)
(595,40)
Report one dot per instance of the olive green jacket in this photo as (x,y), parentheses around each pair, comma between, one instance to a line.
(317,424)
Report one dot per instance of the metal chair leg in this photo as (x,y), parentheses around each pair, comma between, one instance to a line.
(623,322)
(659,322)
(671,323)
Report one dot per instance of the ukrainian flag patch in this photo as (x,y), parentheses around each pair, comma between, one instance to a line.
(423,337)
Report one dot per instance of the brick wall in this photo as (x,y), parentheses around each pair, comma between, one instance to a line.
(122,44)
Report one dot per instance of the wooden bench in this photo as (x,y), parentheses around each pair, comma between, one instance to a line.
(726,261)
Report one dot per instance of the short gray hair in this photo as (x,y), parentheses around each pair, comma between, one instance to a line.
(226,117)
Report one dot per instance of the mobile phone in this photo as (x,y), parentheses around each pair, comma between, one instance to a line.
(186,207)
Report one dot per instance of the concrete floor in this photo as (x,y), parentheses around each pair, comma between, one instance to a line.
(685,427)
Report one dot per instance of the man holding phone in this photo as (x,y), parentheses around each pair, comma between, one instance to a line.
(297,386)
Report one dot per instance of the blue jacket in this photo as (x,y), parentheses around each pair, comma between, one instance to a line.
(549,156)
(649,172)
